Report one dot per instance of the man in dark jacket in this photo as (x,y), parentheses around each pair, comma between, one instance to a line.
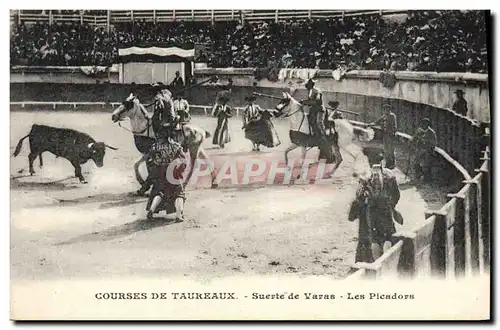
(376,198)
(388,124)
(177,83)
(317,115)
(164,117)
(460,105)
(423,144)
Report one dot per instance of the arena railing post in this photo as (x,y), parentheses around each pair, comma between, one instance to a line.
(439,244)
(108,21)
(472,236)
(485,212)
(407,268)
(460,229)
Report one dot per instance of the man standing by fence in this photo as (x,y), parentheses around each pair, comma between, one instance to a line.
(181,107)
(376,198)
(388,124)
(422,146)
(460,105)
(177,83)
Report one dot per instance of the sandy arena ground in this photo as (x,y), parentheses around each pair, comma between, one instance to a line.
(62,229)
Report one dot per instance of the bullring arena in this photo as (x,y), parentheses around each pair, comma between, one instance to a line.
(62,228)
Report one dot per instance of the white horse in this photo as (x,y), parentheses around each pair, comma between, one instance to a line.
(300,132)
(140,121)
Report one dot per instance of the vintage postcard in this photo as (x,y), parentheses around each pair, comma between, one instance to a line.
(285,164)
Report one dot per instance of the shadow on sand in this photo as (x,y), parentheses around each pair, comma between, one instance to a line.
(57,185)
(120,231)
(241,153)
(108,200)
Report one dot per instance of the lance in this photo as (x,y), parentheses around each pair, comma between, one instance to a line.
(211,79)
(268,96)
(329,108)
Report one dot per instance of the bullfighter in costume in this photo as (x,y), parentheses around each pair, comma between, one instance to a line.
(223,112)
(165,120)
(389,128)
(225,92)
(258,126)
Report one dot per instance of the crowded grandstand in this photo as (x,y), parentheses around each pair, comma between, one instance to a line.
(440,41)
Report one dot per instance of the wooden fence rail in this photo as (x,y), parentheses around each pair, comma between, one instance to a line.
(110,17)
(451,242)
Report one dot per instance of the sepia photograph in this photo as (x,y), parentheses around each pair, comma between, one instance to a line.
(250,164)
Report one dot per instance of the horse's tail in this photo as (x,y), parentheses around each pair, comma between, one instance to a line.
(19,146)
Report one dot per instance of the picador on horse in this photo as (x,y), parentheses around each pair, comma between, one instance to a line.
(165,123)
(320,122)
(168,187)
(165,119)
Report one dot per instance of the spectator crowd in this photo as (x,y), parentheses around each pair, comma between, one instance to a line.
(441,41)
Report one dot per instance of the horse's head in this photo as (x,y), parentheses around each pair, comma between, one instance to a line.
(364,134)
(124,109)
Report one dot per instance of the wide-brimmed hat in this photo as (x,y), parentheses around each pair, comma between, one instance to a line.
(250,98)
(425,121)
(310,82)
(159,86)
(333,104)
(386,106)
(459,92)
(378,157)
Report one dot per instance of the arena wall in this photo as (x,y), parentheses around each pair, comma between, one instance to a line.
(426,89)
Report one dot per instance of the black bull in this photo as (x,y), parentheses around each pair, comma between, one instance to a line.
(72,145)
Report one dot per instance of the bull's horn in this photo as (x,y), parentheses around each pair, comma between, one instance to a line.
(90,145)
(110,147)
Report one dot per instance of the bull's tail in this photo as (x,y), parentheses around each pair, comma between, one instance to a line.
(19,146)
(207,134)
